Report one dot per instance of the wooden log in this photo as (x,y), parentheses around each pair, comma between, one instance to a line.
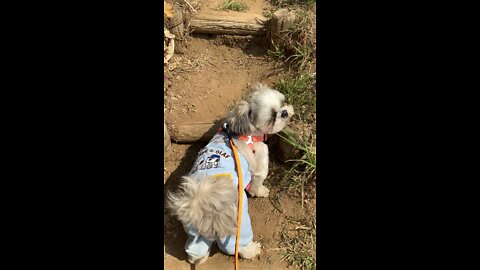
(177,28)
(166,139)
(194,132)
(231,24)
(282,20)
(166,147)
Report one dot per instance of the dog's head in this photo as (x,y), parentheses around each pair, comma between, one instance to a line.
(264,112)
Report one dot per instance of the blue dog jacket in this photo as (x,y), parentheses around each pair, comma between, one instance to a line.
(217,159)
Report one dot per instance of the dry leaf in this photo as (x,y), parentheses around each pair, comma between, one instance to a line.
(168,46)
(167,33)
(168,10)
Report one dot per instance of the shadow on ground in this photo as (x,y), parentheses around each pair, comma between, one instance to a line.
(174,235)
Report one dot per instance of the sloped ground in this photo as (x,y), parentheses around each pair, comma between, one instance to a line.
(202,85)
(207,81)
(210,77)
(271,217)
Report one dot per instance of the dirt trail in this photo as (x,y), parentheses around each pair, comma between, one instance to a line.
(209,78)
(218,78)
(203,85)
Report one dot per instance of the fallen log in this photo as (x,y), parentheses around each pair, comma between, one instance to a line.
(166,139)
(194,132)
(231,24)
(177,28)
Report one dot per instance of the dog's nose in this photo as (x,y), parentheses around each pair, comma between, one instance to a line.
(284,114)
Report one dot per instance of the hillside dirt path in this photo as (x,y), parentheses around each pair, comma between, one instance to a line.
(203,84)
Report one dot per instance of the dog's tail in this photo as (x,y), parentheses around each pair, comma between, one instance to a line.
(209,205)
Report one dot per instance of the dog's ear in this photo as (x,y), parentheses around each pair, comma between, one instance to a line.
(240,119)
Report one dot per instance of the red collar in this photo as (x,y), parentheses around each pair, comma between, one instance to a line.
(249,140)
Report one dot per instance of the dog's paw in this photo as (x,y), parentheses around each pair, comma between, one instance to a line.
(251,250)
(259,191)
(198,261)
(263,191)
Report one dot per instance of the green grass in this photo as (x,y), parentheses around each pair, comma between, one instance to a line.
(277,52)
(233,6)
(301,244)
(301,93)
(302,259)
(303,170)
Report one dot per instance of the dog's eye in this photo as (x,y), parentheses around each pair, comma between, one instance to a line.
(284,114)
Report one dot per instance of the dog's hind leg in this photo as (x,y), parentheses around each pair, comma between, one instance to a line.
(247,248)
(197,247)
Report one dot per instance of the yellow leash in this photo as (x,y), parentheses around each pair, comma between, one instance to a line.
(240,199)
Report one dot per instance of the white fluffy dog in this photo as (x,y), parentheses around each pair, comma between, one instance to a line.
(207,201)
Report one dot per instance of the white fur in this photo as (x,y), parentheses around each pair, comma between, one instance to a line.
(198,261)
(251,250)
(209,205)
(258,176)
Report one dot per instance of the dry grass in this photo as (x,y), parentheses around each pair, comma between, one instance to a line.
(300,237)
(285,3)
(297,47)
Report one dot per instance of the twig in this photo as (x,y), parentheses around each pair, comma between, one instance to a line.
(190,6)
(302,228)
(276,203)
(303,192)
(276,249)
(260,21)
(211,63)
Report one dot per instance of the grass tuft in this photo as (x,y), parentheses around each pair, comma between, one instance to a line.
(303,170)
(285,3)
(297,45)
(233,6)
(277,52)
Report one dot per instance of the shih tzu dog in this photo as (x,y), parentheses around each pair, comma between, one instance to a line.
(207,201)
